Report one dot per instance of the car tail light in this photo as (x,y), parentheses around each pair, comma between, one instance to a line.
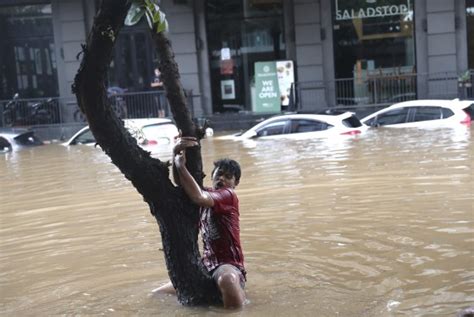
(467,119)
(352,132)
(152,142)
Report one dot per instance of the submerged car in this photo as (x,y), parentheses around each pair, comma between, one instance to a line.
(298,126)
(18,138)
(150,133)
(423,114)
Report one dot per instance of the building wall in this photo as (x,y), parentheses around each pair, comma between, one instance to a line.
(441,36)
(182,33)
(441,44)
(69,23)
(309,52)
(204,74)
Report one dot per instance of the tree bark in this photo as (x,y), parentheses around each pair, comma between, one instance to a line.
(177,217)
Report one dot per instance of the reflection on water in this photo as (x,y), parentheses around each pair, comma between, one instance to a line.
(377,225)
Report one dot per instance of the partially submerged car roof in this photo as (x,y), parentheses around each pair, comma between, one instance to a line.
(146,121)
(20,137)
(433,102)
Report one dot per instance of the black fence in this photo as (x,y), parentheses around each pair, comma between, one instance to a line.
(33,112)
(380,90)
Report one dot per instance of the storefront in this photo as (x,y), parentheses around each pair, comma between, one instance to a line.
(373,40)
(239,34)
(338,52)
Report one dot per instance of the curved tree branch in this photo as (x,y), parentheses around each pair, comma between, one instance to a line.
(176,215)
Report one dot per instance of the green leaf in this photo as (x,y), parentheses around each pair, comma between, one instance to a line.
(162,16)
(163,26)
(134,14)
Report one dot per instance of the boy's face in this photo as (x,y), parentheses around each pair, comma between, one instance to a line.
(223,179)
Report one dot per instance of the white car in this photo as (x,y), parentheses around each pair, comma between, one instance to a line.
(150,133)
(423,114)
(304,126)
(17,138)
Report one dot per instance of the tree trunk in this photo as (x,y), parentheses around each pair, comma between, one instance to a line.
(177,217)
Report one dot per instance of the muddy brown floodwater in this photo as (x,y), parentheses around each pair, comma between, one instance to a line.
(377,225)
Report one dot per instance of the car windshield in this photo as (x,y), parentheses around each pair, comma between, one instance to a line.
(4,144)
(85,138)
(272,128)
(27,139)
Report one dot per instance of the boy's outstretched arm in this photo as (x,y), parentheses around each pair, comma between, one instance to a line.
(184,178)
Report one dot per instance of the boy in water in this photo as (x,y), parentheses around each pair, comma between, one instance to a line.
(219,223)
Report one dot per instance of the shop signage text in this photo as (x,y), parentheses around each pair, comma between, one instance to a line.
(267,89)
(372,12)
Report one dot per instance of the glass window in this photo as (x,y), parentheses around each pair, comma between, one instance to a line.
(395,116)
(374,50)
(240,33)
(447,112)
(352,122)
(426,113)
(273,128)
(28,61)
(300,126)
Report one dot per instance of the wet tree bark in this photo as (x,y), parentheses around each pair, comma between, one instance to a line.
(177,217)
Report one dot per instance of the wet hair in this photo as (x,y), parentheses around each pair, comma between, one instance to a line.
(229,166)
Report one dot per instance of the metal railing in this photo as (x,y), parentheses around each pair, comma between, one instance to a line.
(308,96)
(33,112)
(381,90)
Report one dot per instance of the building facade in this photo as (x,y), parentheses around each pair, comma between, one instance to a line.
(334,52)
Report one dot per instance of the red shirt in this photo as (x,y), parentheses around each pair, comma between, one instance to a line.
(220,230)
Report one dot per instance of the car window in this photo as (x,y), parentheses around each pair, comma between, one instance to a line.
(352,122)
(426,113)
(27,139)
(447,113)
(84,138)
(395,116)
(305,125)
(273,128)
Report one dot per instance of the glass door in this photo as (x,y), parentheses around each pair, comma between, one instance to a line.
(240,33)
